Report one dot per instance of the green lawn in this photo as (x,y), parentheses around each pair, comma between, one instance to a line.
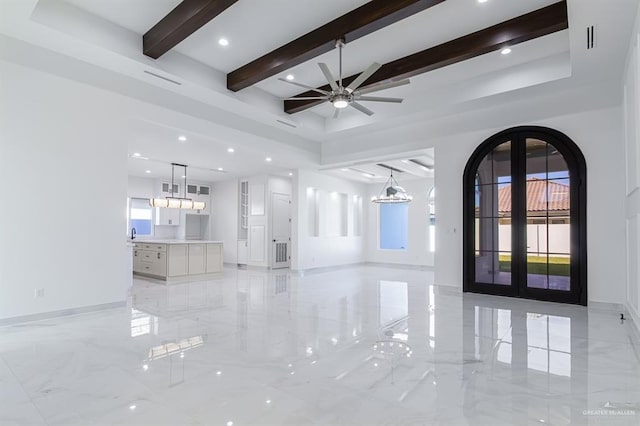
(538,265)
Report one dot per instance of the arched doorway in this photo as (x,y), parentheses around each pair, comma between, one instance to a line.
(525,217)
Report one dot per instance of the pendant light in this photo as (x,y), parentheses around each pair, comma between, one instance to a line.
(392,193)
(178,202)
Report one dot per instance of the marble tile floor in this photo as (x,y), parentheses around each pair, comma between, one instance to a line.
(363,345)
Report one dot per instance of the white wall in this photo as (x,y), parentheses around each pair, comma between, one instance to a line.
(631,120)
(225,217)
(64,151)
(314,252)
(417,252)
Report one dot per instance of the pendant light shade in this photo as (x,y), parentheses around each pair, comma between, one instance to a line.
(392,193)
(178,202)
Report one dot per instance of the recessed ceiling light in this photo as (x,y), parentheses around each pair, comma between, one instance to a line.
(147,171)
(231,150)
(223,42)
(290,77)
(482,1)
(268,159)
(344,170)
(182,138)
(220,169)
(184,176)
(505,51)
(136,154)
(290,174)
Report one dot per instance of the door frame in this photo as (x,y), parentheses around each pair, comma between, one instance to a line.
(578,216)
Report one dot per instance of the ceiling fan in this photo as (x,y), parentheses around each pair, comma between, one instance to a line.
(342,97)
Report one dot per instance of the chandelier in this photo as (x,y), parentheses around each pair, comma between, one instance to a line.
(392,192)
(177,202)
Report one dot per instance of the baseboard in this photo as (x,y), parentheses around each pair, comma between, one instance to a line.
(401,266)
(62,313)
(633,317)
(321,269)
(606,306)
(351,265)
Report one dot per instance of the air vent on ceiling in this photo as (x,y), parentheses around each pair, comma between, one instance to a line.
(287,124)
(591,37)
(421,164)
(163,78)
(393,169)
(362,172)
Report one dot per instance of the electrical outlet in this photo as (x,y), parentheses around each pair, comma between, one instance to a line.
(38,293)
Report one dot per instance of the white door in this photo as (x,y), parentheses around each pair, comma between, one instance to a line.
(281,226)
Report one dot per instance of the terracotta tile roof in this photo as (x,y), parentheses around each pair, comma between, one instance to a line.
(558,196)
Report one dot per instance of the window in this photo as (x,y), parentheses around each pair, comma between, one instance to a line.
(140,216)
(394,226)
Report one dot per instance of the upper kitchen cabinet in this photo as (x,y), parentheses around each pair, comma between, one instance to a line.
(167,217)
(166,190)
(200,193)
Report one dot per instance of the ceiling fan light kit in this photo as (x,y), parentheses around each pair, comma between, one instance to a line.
(342,97)
(178,202)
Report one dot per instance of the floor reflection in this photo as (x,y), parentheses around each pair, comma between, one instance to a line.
(361,345)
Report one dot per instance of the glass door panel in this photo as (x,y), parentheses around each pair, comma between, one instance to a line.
(492,224)
(548,204)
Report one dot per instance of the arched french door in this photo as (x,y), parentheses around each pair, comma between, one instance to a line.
(525,217)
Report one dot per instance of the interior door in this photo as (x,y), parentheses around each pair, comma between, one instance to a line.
(281,226)
(525,217)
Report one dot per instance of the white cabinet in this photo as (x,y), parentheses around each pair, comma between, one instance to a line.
(176,260)
(150,262)
(214,258)
(243,211)
(165,190)
(167,217)
(200,193)
(137,256)
(178,256)
(196,259)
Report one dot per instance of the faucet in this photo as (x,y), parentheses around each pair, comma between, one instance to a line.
(133,233)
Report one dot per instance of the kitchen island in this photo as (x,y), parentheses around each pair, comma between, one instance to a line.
(173,260)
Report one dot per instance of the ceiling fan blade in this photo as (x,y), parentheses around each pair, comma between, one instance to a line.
(379,99)
(336,113)
(324,92)
(361,108)
(307,98)
(383,86)
(363,76)
(328,75)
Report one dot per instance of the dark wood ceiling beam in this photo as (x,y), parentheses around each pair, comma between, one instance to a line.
(359,22)
(185,19)
(532,25)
